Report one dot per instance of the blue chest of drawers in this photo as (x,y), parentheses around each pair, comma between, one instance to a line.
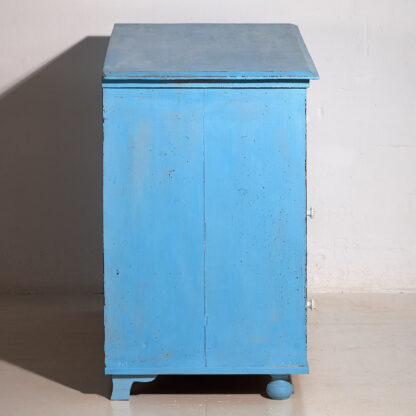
(205,202)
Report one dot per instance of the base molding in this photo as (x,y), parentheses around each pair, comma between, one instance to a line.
(287,369)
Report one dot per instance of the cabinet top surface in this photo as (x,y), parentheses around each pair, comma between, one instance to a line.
(207,51)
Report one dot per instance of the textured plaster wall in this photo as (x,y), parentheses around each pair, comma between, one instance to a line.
(361,143)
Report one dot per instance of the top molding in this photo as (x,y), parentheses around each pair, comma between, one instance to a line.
(164,52)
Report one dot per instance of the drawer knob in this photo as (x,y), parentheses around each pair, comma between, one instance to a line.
(310,212)
(310,304)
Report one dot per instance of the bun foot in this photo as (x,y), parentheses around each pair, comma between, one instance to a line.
(280,387)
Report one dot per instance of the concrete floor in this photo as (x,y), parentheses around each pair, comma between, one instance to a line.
(362,357)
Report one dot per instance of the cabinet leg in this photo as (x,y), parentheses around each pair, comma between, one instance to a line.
(122,385)
(279,387)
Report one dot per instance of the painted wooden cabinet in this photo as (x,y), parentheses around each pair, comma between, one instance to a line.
(205,202)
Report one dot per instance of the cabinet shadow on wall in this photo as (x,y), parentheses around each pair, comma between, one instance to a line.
(51,176)
(51,222)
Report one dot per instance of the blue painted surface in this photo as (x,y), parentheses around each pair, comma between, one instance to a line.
(204,220)
(241,369)
(197,84)
(122,385)
(255,205)
(204,51)
(279,388)
(153,228)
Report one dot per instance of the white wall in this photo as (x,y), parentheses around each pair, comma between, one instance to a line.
(361,143)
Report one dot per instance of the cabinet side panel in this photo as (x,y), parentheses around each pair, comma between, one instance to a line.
(255,228)
(153,229)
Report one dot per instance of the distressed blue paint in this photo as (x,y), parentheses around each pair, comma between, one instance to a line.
(121,84)
(242,369)
(204,51)
(153,228)
(205,203)
(255,219)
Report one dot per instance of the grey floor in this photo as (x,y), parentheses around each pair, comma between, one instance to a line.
(362,358)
